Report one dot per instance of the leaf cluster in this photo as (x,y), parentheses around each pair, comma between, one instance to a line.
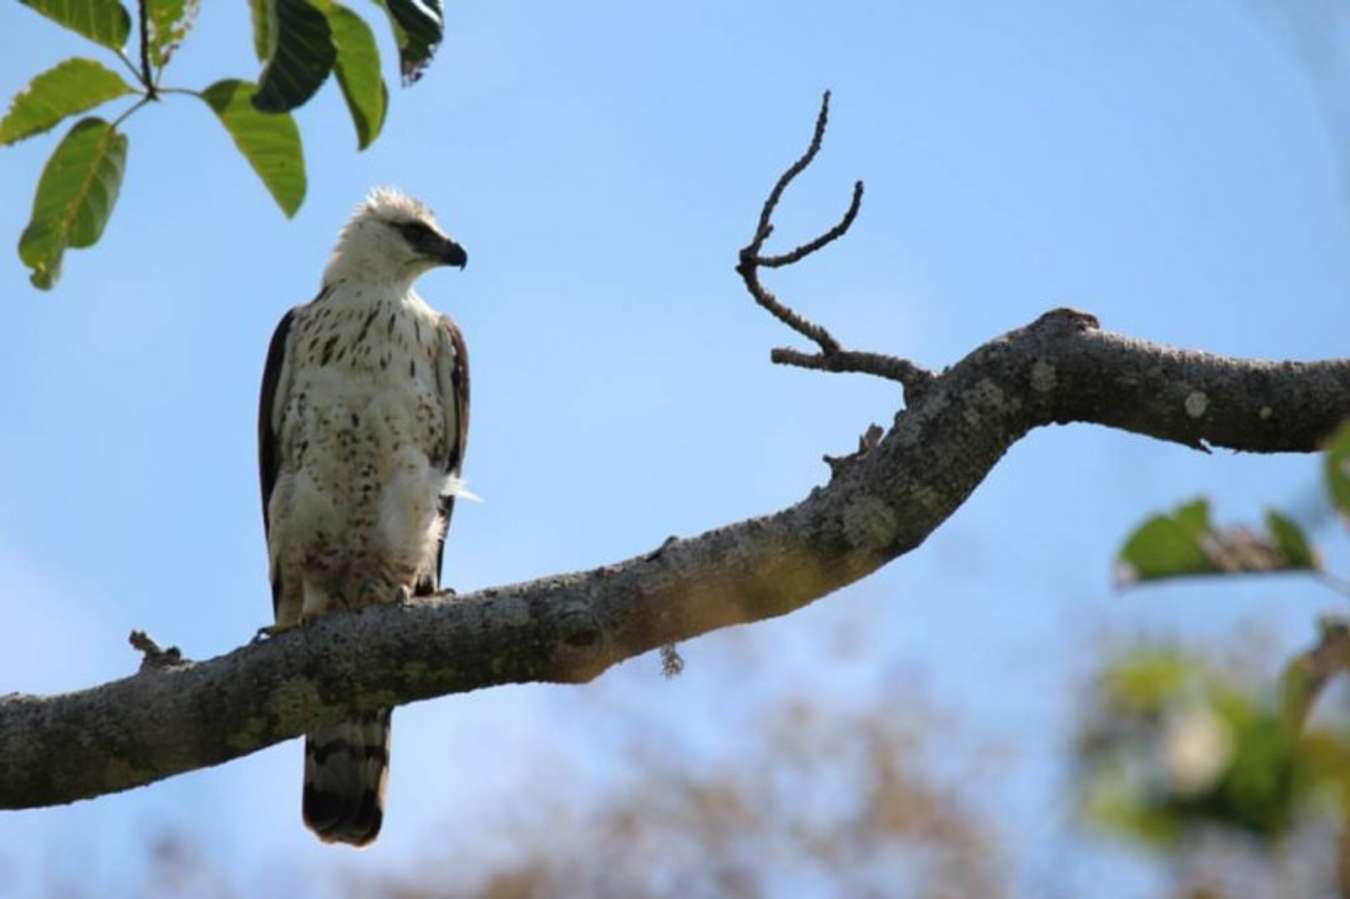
(299,42)
(1185,542)
(1174,743)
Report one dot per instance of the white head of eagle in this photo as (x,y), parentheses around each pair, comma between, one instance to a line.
(391,238)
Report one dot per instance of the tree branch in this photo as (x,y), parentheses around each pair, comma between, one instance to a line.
(145,76)
(832,356)
(751,260)
(879,504)
(570,628)
(879,364)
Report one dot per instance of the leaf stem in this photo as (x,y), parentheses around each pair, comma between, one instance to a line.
(146,98)
(180,90)
(131,66)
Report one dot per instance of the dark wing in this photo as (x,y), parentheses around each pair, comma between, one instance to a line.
(269,448)
(458,397)
(274,383)
(452,371)
(269,441)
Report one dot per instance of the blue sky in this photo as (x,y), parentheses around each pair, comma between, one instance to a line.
(1180,170)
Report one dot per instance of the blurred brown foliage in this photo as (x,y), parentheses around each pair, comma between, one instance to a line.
(838,802)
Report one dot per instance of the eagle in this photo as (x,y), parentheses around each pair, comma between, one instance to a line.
(362,424)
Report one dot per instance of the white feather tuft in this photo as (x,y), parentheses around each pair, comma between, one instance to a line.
(392,203)
(454,485)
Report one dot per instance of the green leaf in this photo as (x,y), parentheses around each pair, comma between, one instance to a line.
(1338,469)
(264,27)
(1291,542)
(1166,546)
(1187,543)
(103,21)
(170,22)
(418,27)
(302,56)
(74,86)
(358,72)
(75,196)
(269,141)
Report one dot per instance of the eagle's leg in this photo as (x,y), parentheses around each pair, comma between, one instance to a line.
(313,602)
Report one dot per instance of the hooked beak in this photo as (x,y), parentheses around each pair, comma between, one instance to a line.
(452,253)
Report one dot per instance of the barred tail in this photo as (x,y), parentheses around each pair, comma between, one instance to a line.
(346,767)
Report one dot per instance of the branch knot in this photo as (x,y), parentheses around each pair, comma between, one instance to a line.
(156,659)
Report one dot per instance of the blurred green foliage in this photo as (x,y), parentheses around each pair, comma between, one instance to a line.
(1173,744)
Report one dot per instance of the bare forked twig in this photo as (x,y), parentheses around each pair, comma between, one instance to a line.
(832,356)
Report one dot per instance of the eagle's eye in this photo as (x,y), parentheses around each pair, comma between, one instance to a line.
(415,232)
